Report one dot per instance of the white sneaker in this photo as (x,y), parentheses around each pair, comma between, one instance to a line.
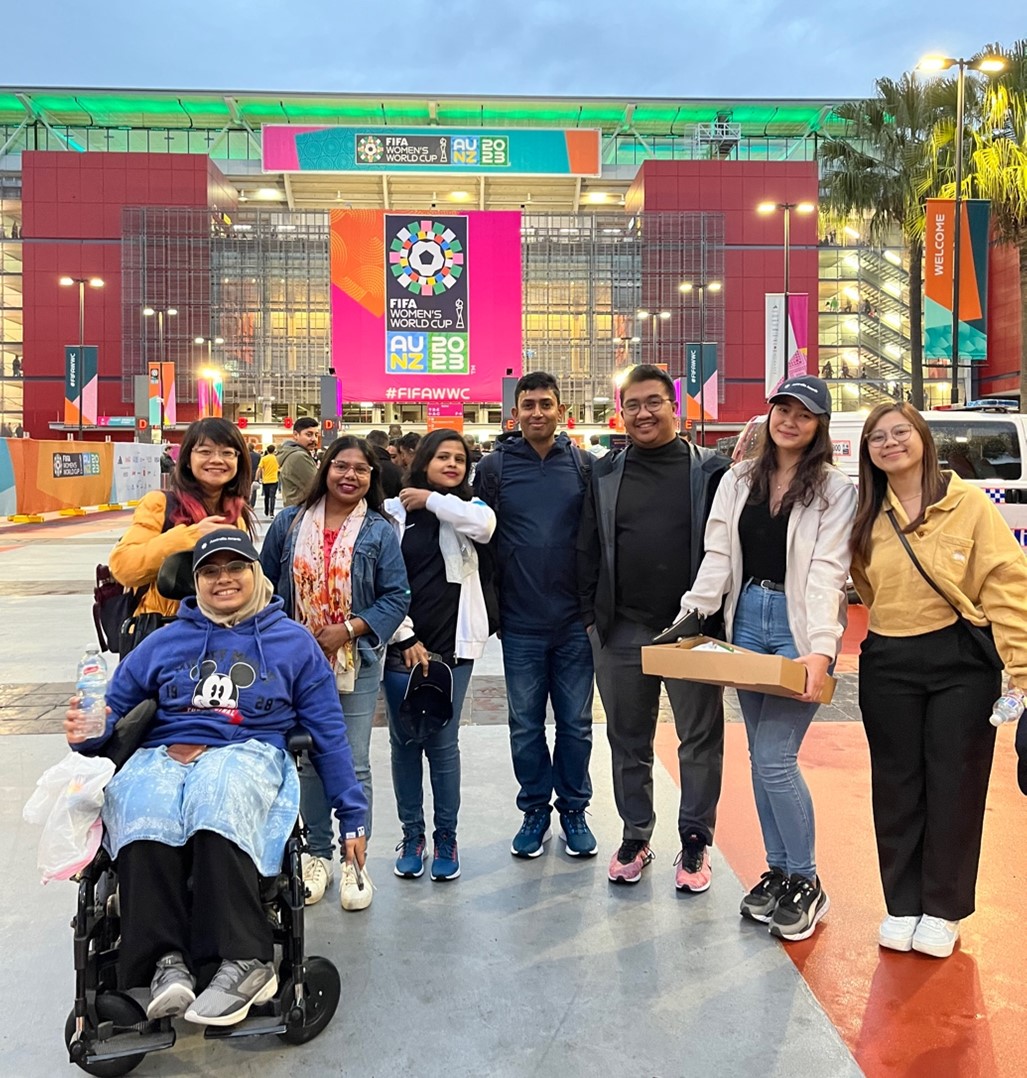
(355,888)
(896,933)
(317,875)
(935,936)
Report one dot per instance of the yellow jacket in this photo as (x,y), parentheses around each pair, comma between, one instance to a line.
(141,551)
(268,468)
(968,550)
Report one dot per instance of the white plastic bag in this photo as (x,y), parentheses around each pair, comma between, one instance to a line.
(67,802)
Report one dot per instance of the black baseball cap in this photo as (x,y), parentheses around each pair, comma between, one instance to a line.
(810,392)
(230,539)
(427,703)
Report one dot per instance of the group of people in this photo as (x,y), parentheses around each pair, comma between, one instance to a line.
(578,561)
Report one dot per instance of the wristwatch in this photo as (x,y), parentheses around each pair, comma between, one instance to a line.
(349,628)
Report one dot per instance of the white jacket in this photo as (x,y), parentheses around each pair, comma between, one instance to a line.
(816,566)
(458,522)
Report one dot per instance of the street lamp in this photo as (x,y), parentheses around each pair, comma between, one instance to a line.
(160,313)
(657,317)
(702,288)
(989,65)
(80,362)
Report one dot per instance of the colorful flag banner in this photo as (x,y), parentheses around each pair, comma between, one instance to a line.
(81,380)
(787,352)
(701,381)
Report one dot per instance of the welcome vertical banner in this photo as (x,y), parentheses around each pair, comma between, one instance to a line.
(787,337)
(939,249)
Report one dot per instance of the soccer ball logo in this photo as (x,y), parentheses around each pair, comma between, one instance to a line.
(369,149)
(426,257)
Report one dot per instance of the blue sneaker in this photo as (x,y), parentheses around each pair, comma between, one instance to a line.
(534,833)
(412,852)
(445,864)
(576,834)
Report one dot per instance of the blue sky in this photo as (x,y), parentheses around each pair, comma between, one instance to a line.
(648,48)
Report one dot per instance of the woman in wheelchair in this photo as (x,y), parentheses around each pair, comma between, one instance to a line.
(204,808)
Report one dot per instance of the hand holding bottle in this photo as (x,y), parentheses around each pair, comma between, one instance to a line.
(1008,707)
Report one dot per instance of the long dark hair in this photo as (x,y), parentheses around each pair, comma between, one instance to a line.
(810,476)
(873,483)
(319,489)
(233,502)
(427,447)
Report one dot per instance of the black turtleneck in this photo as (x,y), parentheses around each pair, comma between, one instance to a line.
(654,522)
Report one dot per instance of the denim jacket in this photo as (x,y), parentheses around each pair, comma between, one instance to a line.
(381,593)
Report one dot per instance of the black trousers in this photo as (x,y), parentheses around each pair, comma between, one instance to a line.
(925,702)
(632,703)
(220,916)
(270,495)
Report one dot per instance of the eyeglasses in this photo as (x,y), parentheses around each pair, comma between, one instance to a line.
(204,452)
(233,568)
(900,434)
(341,467)
(650,404)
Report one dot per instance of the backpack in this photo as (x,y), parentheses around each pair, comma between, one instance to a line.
(114,604)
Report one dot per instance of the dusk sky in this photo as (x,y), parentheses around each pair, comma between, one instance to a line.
(648,48)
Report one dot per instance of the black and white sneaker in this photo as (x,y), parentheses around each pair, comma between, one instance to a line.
(233,990)
(759,904)
(172,989)
(799,909)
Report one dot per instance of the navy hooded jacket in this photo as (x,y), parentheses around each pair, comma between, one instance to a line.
(256,680)
(537,502)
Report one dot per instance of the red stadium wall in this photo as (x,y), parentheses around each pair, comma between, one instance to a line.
(72,207)
(753,256)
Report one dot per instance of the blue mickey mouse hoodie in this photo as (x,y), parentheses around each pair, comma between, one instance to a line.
(216,685)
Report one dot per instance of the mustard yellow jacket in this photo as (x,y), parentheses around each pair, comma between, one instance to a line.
(968,550)
(141,551)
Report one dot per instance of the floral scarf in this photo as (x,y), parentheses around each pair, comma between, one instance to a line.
(324,595)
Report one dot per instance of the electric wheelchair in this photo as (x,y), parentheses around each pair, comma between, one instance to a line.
(107,1032)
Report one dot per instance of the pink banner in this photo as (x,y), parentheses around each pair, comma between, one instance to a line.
(787,352)
(426,307)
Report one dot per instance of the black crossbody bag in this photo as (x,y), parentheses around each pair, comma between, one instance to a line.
(981,638)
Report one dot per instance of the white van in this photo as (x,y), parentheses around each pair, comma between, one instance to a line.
(984,445)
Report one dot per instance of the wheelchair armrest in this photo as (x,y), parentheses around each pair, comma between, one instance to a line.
(298,741)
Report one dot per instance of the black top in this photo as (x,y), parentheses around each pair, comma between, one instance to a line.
(764,540)
(433,600)
(654,522)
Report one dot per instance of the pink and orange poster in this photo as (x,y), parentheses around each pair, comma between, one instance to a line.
(426,307)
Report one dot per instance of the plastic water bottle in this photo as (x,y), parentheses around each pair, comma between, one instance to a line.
(1007,708)
(91,688)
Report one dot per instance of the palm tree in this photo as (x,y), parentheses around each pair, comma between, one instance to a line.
(882,171)
(998,166)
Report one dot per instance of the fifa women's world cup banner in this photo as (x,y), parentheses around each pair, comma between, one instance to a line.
(426,307)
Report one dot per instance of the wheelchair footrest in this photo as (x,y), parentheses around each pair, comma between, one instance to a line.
(255,1025)
(130,1044)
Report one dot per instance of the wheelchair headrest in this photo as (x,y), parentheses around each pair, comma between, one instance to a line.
(175,578)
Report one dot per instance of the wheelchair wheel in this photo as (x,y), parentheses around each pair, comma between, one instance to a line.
(323,991)
(122,1010)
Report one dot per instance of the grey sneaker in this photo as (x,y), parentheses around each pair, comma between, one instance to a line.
(172,989)
(235,988)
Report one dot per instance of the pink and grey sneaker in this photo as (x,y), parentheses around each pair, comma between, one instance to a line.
(629,861)
(695,873)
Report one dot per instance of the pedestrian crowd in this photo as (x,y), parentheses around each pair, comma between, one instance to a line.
(393,563)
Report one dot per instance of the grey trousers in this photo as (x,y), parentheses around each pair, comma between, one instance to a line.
(631,700)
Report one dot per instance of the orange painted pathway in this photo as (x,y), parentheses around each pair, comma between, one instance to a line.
(902,1015)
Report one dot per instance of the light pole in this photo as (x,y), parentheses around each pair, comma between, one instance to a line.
(786,208)
(702,288)
(159,313)
(657,317)
(989,65)
(80,362)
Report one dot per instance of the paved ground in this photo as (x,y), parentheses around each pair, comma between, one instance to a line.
(541,967)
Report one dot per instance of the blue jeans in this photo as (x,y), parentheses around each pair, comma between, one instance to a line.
(358,708)
(442,751)
(776,726)
(558,667)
